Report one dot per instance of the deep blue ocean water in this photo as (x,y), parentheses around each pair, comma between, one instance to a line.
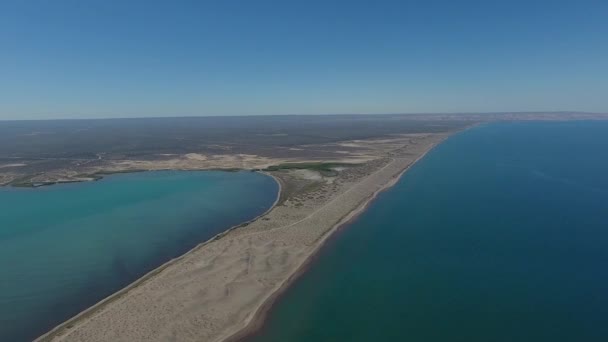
(65,247)
(499,234)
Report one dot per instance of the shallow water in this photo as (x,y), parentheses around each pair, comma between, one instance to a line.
(65,247)
(499,234)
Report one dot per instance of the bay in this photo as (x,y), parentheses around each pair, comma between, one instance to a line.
(67,246)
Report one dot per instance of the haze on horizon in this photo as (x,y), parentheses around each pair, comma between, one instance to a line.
(103,59)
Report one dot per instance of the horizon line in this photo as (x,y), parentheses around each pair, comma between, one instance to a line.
(327,114)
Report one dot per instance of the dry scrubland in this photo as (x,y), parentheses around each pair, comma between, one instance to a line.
(35,153)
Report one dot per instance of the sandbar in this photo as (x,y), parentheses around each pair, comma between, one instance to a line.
(220,290)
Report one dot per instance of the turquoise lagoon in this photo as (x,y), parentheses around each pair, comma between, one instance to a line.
(67,246)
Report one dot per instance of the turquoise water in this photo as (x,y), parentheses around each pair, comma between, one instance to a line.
(499,234)
(65,247)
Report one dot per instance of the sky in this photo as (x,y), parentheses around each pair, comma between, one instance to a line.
(98,59)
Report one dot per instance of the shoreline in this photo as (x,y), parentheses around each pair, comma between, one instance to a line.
(258,318)
(124,305)
(100,175)
(48,336)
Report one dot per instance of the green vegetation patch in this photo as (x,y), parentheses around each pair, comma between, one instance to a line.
(326,169)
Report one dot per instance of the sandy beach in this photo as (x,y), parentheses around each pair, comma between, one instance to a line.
(221,289)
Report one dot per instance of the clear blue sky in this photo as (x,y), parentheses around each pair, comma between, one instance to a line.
(66,59)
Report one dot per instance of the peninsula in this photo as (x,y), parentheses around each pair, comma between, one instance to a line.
(219,290)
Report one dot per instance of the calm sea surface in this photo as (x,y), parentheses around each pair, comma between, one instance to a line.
(65,247)
(499,234)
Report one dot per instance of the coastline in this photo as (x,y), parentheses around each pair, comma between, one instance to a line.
(100,175)
(258,317)
(245,317)
(48,336)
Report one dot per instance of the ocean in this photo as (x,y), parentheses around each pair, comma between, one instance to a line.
(498,234)
(65,247)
